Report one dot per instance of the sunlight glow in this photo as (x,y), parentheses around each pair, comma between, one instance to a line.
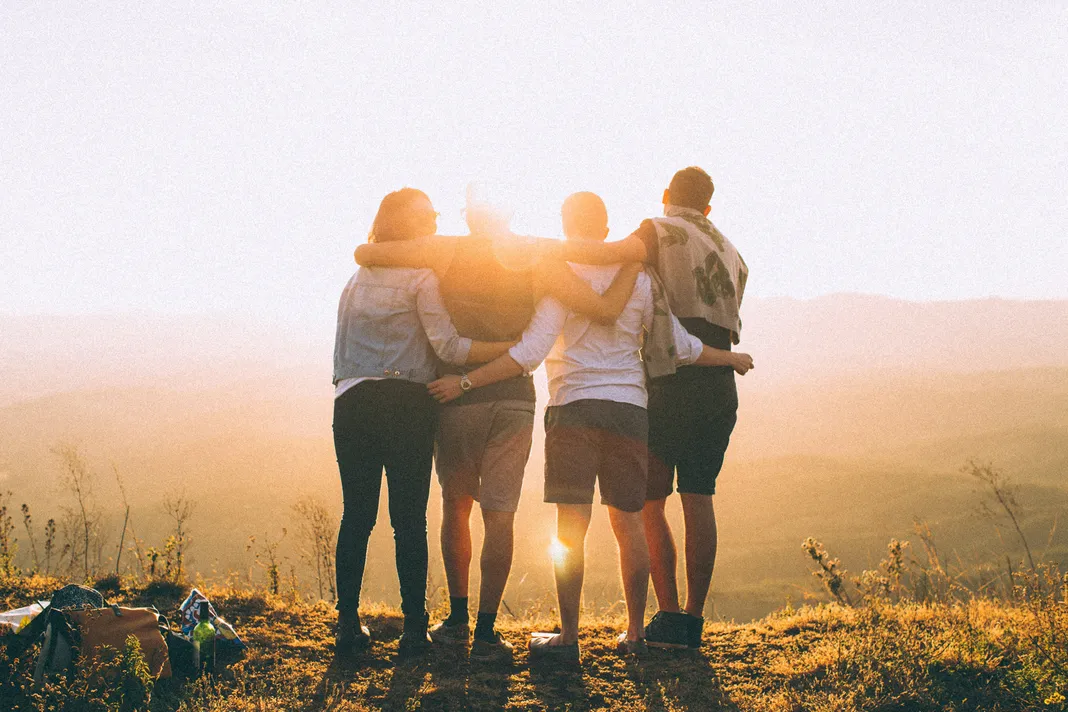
(558,551)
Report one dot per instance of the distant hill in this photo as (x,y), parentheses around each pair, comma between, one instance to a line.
(47,354)
(828,443)
(852,333)
(791,339)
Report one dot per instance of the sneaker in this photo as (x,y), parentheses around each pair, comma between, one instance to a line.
(496,650)
(625,646)
(670,630)
(542,648)
(350,637)
(697,627)
(414,639)
(455,634)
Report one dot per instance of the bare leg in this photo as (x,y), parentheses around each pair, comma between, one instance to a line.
(700,518)
(572,521)
(634,567)
(662,555)
(496,559)
(456,543)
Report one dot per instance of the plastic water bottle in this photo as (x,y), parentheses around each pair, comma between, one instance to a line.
(204,642)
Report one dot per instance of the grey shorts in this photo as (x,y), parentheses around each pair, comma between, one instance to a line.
(482,451)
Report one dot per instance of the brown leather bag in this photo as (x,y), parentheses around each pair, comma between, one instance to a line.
(97,628)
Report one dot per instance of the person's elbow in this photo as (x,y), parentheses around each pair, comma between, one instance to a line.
(363,255)
(694,359)
(452,359)
(453,351)
(522,359)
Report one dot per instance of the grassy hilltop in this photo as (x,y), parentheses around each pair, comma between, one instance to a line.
(977,655)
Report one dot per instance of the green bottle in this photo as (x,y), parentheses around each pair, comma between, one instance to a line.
(204,642)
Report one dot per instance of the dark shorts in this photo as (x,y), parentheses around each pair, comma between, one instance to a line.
(691,418)
(591,440)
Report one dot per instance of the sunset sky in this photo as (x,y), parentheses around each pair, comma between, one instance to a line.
(176,157)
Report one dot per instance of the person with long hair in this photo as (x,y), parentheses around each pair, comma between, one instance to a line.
(392,329)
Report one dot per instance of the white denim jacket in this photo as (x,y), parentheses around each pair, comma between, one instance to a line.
(391,323)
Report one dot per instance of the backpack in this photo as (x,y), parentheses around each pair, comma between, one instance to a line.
(56,654)
(76,631)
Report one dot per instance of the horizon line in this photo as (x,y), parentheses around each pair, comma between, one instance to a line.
(244,313)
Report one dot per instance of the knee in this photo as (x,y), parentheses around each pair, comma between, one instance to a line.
(627,526)
(498,525)
(408,526)
(357,525)
(654,516)
(456,513)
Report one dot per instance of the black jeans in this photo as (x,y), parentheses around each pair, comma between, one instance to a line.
(384,424)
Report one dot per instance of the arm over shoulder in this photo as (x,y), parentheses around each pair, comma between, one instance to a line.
(440,331)
(558,280)
(433,252)
(540,335)
(630,249)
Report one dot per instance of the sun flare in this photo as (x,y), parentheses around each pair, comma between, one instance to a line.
(558,551)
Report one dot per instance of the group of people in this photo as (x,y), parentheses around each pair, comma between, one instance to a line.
(437,338)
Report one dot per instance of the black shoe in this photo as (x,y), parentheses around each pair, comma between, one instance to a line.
(350,637)
(697,627)
(670,630)
(414,639)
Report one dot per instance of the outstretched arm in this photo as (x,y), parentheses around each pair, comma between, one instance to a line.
(432,252)
(590,252)
(524,357)
(556,279)
(742,363)
(690,351)
(447,388)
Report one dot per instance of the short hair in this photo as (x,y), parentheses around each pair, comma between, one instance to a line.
(485,211)
(391,222)
(585,214)
(691,188)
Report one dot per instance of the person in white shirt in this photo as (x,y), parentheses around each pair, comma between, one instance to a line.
(596,425)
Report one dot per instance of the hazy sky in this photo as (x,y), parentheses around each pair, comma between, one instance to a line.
(228,157)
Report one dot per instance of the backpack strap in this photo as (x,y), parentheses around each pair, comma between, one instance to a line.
(61,627)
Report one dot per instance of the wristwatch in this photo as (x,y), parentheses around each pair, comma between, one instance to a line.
(465,383)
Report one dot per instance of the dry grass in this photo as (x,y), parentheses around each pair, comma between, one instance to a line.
(967,656)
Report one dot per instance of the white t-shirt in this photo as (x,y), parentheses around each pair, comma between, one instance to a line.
(588,360)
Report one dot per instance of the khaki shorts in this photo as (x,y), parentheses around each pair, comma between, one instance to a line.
(482,451)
